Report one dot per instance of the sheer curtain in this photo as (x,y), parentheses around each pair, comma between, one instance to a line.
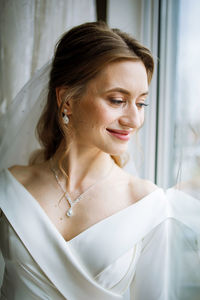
(179,106)
(28,33)
(187,126)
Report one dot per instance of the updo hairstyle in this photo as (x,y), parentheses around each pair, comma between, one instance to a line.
(80,55)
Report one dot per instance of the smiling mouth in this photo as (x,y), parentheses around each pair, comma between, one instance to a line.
(120,134)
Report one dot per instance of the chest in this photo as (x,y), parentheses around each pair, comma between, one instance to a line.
(95,205)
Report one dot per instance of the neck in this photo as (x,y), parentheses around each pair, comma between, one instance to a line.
(84,166)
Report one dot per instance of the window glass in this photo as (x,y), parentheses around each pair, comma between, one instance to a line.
(187,117)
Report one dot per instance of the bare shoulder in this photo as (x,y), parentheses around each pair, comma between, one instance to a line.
(140,188)
(35,178)
(21,173)
(25,174)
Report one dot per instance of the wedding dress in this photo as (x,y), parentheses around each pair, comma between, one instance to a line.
(151,248)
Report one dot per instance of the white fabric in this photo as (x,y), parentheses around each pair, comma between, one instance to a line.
(29,31)
(17,127)
(153,247)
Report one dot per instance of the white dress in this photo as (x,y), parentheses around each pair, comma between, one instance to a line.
(151,248)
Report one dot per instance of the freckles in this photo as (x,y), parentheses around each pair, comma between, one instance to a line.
(102,114)
(106,117)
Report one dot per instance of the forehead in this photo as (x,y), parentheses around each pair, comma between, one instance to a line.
(130,75)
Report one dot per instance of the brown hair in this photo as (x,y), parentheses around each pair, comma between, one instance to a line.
(79,56)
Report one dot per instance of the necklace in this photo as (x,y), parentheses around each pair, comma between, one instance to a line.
(69,212)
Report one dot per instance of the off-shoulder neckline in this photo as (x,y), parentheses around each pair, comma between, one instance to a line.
(122,211)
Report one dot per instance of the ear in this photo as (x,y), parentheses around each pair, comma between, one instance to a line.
(61,96)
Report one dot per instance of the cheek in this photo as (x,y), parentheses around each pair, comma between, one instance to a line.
(93,113)
(141,119)
(104,116)
(101,115)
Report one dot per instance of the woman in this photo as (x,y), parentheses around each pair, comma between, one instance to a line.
(74,224)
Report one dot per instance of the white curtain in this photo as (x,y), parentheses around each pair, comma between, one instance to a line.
(29,30)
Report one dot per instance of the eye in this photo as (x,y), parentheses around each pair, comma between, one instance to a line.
(117,101)
(140,105)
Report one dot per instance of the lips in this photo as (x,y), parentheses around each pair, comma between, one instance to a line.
(120,134)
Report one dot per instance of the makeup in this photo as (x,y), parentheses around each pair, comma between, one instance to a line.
(123,135)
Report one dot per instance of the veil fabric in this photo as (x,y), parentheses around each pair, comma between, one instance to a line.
(17,126)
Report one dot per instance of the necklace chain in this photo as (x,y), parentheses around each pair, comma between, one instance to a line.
(69,212)
(66,195)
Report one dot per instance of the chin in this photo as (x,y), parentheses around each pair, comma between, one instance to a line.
(118,152)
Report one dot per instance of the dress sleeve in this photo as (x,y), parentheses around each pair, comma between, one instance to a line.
(169,265)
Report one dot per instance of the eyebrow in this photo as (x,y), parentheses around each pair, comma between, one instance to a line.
(123,91)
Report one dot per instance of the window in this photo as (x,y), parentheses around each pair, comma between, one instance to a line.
(187,93)
(178,143)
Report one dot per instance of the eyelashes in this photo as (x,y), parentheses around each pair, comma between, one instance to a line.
(120,102)
(115,101)
(142,104)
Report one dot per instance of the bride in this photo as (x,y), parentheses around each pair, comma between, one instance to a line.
(74,225)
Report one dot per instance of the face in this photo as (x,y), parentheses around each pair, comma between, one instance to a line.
(112,108)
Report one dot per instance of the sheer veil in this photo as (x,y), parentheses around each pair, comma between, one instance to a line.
(17,126)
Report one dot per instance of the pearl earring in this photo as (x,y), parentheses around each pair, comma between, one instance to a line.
(65,117)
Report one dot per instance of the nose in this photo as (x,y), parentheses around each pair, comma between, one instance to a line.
(133,117)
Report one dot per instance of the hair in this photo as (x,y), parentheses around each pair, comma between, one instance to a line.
(80,55)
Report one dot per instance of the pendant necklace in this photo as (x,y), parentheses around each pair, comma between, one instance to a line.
(71,203)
